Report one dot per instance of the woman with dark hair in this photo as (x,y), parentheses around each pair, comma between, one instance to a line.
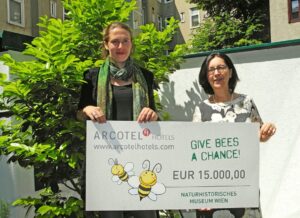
(218,78)
(118,90)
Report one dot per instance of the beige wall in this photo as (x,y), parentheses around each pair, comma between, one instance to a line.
(4,25)
(148,11)
(136,18)
(32,10)
(174,8)
(44,8)
(185,26)
(281,29)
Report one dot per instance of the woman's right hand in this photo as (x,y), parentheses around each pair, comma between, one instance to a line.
(94,113)
(267,130)
(204,209)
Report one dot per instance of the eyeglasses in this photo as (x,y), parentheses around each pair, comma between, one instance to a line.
(117,42)
(220,68)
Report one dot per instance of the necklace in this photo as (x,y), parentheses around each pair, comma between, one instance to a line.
(214,101)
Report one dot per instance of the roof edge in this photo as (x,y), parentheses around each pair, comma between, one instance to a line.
(247,48)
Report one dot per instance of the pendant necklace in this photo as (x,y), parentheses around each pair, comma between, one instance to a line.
(214,101)
(219,105)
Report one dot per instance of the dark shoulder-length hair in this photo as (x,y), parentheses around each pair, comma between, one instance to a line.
(107,31)
(203,80)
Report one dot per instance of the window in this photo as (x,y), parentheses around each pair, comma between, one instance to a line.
(168,1)
(167,21)
(16,12)
(195,18)
(65,14)
(135,24)
(135,19)
(294,11)
(153,16)
(53,8)
(143,17)
(137,16)
(160,23)
(182,17)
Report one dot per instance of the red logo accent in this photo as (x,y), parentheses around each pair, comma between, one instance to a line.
(146,132)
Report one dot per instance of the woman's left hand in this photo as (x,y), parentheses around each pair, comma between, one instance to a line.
(266,131)
(147,114)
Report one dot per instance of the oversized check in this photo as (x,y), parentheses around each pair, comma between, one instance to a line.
(171,165)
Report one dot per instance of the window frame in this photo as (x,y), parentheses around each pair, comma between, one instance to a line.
(153,17)
(135,21)
(166,21)
(182,17)
(53,8)
(143,16)
(160,23)
(191,15)
(22,8)
(65,14)
(291,19)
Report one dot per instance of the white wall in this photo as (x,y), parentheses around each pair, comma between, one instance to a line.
(271,77)
(15,181)
(281,28)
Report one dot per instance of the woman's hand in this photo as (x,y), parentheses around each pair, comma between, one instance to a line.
(266,131)
(204,209)
(147,114)
(94,113)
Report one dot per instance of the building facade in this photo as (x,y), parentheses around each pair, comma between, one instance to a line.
(160,11)
(19,18)
(285,20)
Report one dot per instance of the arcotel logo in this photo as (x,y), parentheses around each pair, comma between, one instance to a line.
(146,132)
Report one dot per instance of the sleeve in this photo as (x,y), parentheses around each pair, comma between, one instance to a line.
(151,87)
(254,114)
(151,96)
(88,89)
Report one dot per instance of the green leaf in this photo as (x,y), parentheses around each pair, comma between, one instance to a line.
(45,209)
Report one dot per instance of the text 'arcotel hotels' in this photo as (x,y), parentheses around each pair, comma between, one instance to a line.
(130,135)
(119,135)
(163,137)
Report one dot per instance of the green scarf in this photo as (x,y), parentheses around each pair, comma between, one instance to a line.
(139,87)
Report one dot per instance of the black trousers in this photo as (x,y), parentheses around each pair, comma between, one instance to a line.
(129,214)
(237,212)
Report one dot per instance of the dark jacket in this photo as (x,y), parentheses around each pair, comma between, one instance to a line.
(89,89)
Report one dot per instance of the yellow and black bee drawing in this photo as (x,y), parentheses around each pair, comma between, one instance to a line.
(120,173)
(146,184)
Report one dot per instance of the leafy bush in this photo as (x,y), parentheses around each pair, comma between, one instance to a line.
(4,209)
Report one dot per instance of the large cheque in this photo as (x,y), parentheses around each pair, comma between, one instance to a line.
(171,165)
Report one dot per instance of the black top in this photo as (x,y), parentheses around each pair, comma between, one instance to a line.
(89,89)
(122,102)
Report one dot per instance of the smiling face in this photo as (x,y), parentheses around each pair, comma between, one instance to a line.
(119,45)
(117,169)
(148,178)
(218,75)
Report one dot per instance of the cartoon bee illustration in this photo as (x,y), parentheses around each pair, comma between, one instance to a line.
(120,173)
(146,184)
